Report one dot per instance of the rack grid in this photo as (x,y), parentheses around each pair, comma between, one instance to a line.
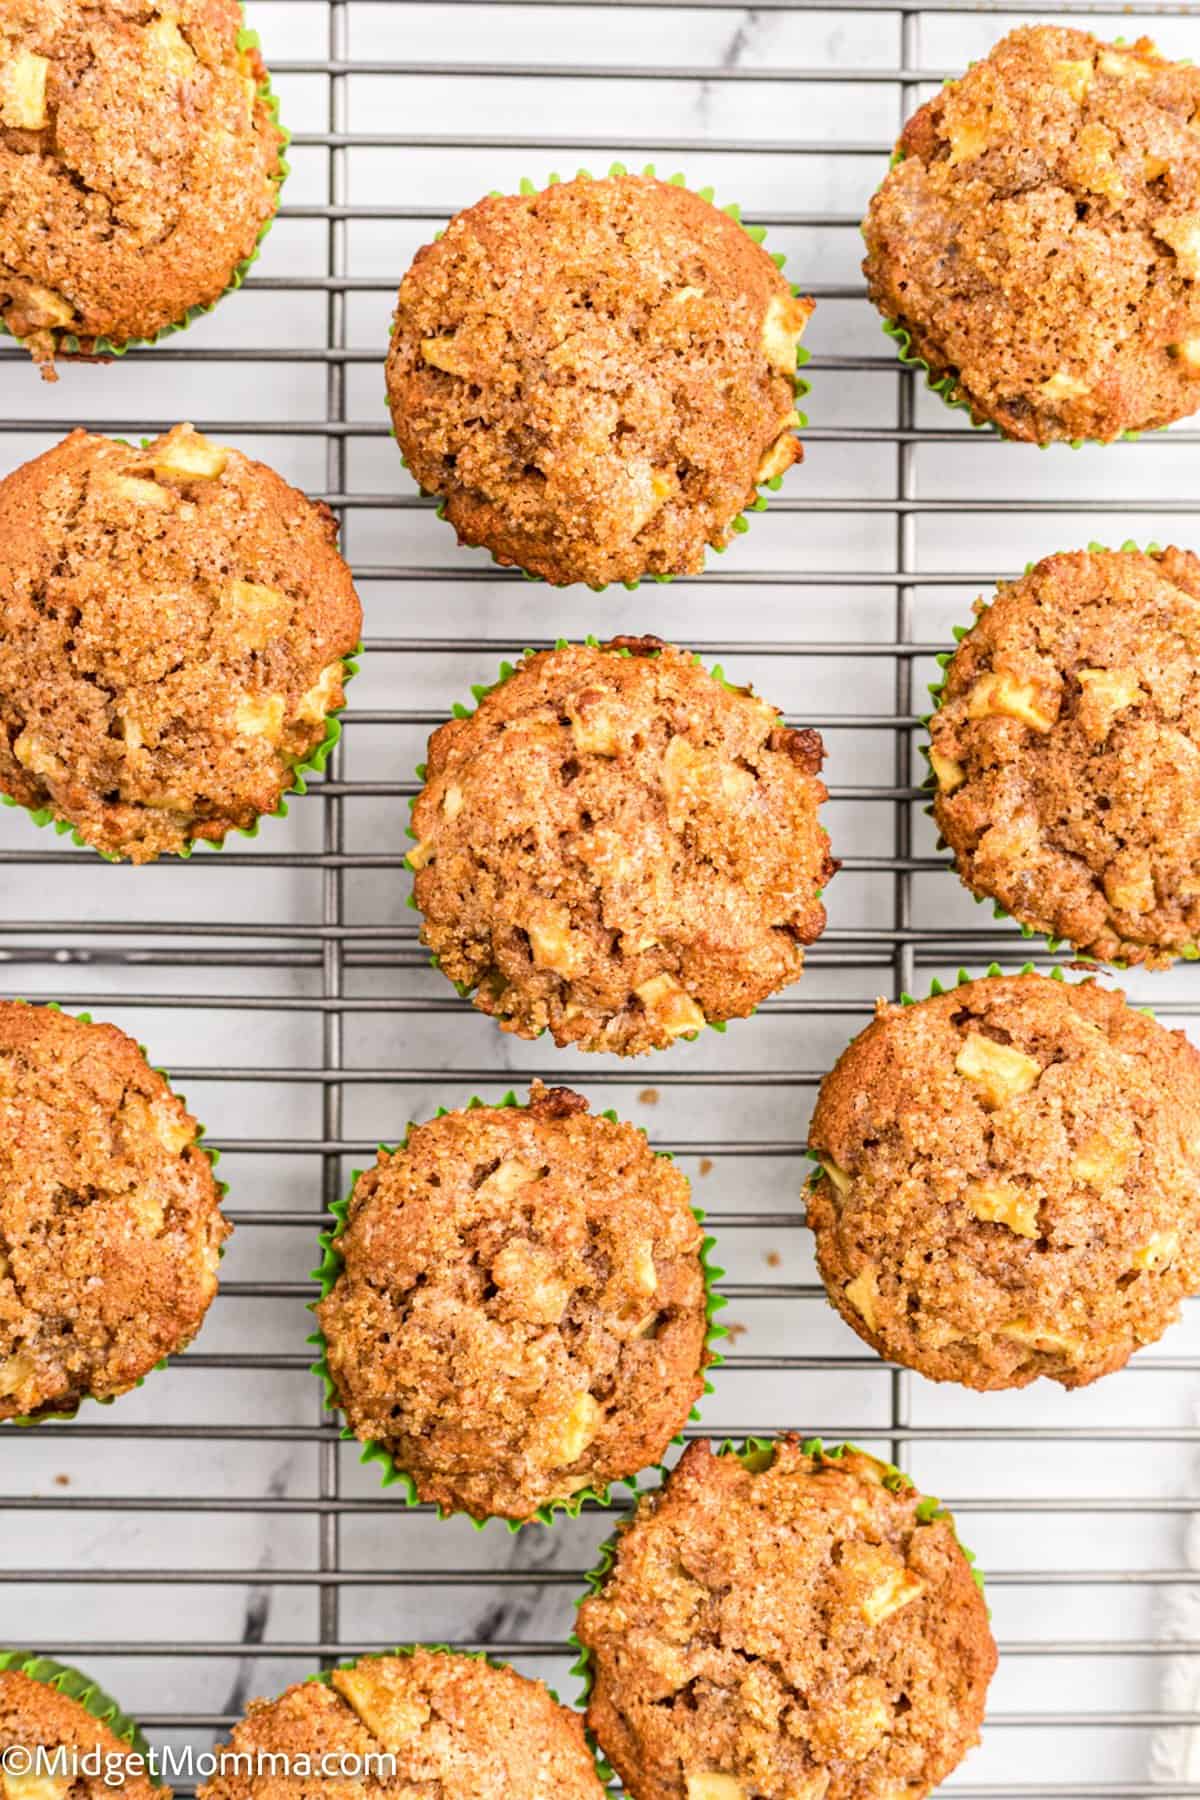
(284,986)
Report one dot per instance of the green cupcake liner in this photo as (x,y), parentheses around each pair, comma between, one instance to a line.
(214,1157)
(757,1454)
(90,1695)
(68,345)
(331,1266)
(800,385)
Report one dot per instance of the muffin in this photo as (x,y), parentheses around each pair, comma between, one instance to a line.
(457,1727)
(517,1308)
(140,163)
(596,378)
(54,1708)
(618,847)
(110,1220)
(1066,752)
(786,1624)
(172,644)
(1008,1182)
(1037,242)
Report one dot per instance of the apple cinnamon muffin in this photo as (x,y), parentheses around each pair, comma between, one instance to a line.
(595,378)
(619,848)
(519,1309)
(140,163)
(172,641)
(110,1220)
(786,1623)
(1008,1179)
(1037,241)
(40,1711)
(1066,752)
(456,1726)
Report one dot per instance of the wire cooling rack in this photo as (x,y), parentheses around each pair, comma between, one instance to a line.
(209,1538)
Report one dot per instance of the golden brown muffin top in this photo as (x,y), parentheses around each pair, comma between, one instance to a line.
(596,377)
(139,164)
(1040,239)
(458,1729)
(522,1310)
(1066,751)
(35,1715)
(110,1221)
(171,644)
(617,847)
(805,1630)
(1008,1184)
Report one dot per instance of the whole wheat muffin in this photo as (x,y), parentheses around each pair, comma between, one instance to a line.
(35,1715)
(1008,1182)
(110,1220)
(595,378)
(1040,238)
(1066,752)
(458,1728)
(618,848)
(171,641)
(521,1311)
(799,1625)
(139,165)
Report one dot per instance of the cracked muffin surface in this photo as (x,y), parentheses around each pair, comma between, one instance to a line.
(171,643)
(33,1715)
(139,164)
(1008,1182)
(110,1220)
(595,378)
(794,1626)
(1066,752)
(457,1727)
(1040,238)
(521,1312)
(618,848)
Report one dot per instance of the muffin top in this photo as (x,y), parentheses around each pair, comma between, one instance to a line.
(521,1313)
(1066,752)
(1008,1181)
(618,847)
(795,1626)
(458,1728)
(174,624)
(595,378)
(139,164)
(110,1221)
(1040,239)
(35,1715)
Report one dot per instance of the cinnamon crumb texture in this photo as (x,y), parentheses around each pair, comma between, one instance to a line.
(1040,238)
(1007,1184)
(35,1715)
(595,378)
(619,848)
(172,639)
(139,164)
(110,1221)
(802,1628)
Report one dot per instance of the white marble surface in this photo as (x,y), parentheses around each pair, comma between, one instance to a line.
(96,1466)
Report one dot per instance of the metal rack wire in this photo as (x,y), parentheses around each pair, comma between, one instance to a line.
(245,1543)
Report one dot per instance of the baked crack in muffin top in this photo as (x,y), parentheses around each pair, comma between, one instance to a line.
(1008,1182)
(1040,239)
(617,847)
(35,1715)
(521,1312)
(171,642)
(791,1626)
(139,164)
(1066,752)
(595,378)
(459,1728)
(110,1221)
